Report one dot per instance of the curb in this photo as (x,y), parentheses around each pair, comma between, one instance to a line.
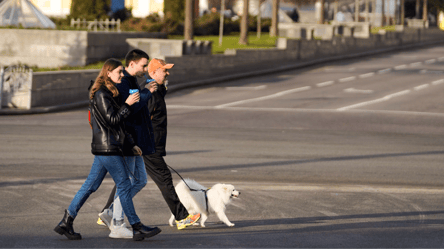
(58,108)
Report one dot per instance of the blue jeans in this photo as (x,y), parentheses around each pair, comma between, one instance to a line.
(116,168)
(137,167)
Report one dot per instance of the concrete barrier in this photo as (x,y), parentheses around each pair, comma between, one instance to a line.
(56,48)
(311,31)
(161,48)
(65,87)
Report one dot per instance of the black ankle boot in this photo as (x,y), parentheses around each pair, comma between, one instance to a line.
(65,227)
(141,231)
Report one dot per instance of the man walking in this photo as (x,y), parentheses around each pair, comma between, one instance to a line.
(155,164)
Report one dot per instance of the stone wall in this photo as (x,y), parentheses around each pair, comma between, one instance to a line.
(56,48)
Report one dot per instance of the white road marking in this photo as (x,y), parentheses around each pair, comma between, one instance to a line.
(362,76)
(339,188)
(421,87)
(430,61)
(347,79)
(268,109)
(352,90)
(415,64)
(400,67)
(437,82)
(327,83)
(431,72)
(279,94)
(385,98)
(246,87)
(384,70)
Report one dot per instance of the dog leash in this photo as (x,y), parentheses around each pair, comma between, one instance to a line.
(191,189)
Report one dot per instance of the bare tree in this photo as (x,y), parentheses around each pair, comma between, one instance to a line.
(188,29)
(274,19)
(244,25)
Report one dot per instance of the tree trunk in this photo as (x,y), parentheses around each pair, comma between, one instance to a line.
(356,10)
(321,17)
(425,11)
(335,10)
(274,19)
(402,12)
(259,19)
(367,8)
(418,6)
(382,13)
(188,30)
(244,25)
(221,24)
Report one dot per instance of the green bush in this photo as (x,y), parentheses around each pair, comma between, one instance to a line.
(90,9)
(152,23)
(174,9)
(209,25)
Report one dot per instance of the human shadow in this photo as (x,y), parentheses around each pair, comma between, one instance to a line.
(314,160)
(341,222)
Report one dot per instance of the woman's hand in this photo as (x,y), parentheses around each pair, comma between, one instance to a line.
(133,98)
(137,151)
(152,86)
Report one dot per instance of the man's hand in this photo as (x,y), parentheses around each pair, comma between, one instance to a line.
(152,86)
(137,151)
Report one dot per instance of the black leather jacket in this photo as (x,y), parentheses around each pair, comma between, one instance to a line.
(109,136)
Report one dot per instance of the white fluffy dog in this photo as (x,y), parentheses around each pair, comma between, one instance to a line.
(195,202)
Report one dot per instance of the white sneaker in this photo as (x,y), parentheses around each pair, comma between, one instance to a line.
(120,232)
(106,216)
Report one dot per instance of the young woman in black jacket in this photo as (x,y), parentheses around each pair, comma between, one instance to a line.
(109,143)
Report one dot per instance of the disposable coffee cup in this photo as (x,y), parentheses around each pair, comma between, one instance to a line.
(131,91)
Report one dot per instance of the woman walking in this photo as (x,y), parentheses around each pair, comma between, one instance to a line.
(109,143)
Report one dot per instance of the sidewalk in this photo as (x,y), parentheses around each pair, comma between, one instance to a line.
(251,73)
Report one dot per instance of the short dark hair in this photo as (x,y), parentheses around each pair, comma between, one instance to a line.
(135,55)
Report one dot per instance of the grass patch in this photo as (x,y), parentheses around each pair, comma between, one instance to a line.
(390,28)
(232,41)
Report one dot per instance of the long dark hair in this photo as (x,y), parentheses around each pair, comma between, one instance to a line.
(104,80)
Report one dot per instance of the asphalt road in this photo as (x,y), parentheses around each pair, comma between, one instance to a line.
(341,155)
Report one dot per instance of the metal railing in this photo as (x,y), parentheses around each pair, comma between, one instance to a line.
(96,25)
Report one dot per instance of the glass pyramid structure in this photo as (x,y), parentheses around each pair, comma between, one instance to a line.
(24,13)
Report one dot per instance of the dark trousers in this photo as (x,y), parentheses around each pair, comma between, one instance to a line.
(158,170)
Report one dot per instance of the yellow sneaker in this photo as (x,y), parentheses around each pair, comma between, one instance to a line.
(100,222)
(188,221)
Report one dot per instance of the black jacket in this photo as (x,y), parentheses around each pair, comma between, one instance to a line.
(107,116)
(158,110)
(138,123)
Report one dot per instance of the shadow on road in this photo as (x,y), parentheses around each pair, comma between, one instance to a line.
(328,159)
